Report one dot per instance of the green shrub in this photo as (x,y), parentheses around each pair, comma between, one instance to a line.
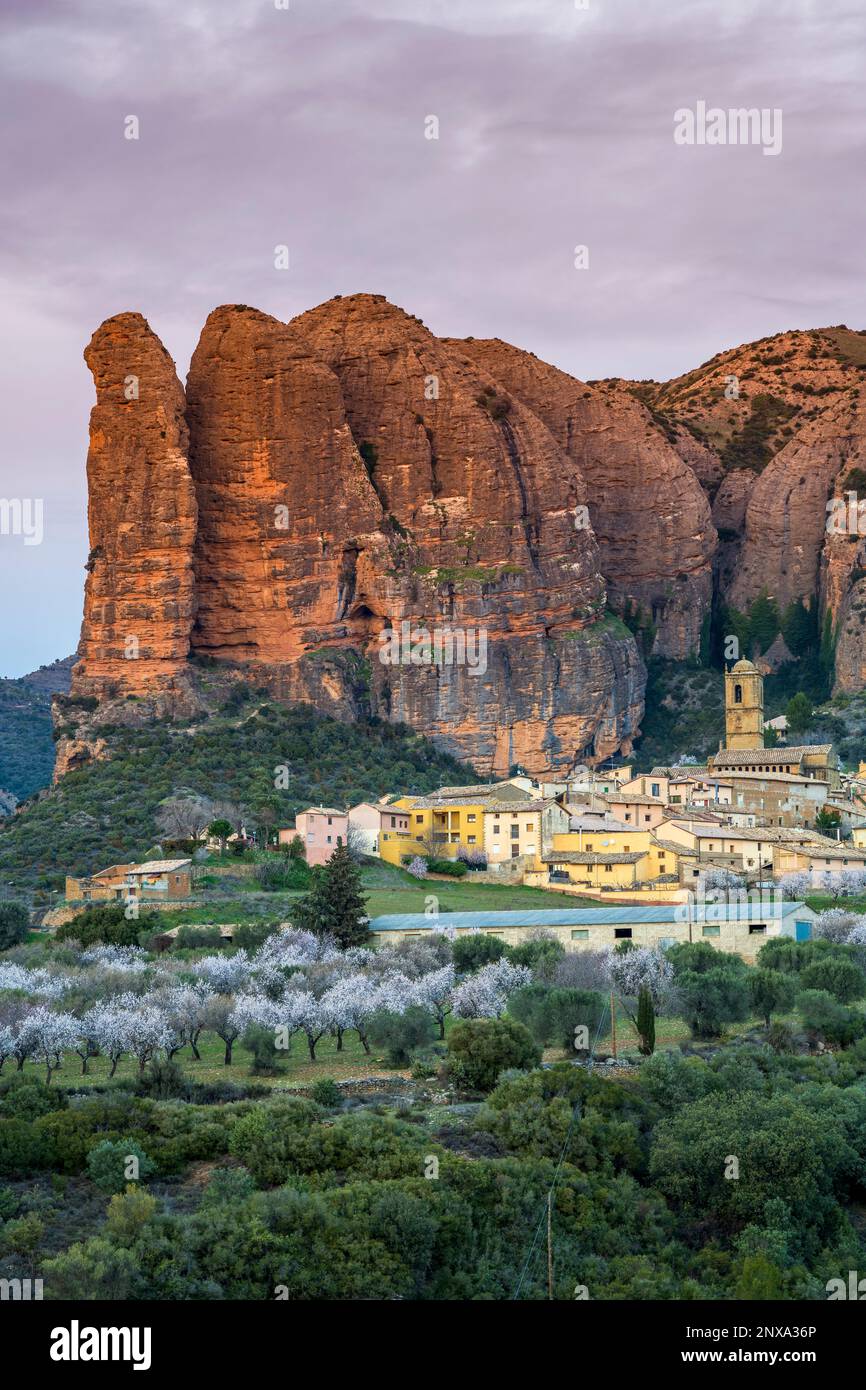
(326,1092)
(14,924)
(401,1034)
(479,1049)
(471,952)
(453,868)
(115,1163)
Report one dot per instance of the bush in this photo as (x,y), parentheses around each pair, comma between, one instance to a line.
(401,1034)
(823,1014)
(26,1097)
(107,925)
(471,952)
(838,976)
(228,1186)
(553,1015)
(541,954)
(110,1168)
(281,872)
(162,1079)
(14,924)
(452,867)
(326,1092)
(262,1043)
(480,1048)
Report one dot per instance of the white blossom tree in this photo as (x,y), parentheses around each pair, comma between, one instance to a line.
(485,994)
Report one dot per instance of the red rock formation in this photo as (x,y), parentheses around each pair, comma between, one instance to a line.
(648,511)
(139,596)
(786,517)
(348,473)
(416,491)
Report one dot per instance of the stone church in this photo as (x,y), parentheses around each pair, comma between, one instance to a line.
(743,749)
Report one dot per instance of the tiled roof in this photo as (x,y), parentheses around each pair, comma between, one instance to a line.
(158,866)
(483,791)
(636,798)
(745,757)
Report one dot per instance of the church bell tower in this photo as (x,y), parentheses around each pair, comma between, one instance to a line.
(744,706)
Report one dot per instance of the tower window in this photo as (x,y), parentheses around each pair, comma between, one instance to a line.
(738,694)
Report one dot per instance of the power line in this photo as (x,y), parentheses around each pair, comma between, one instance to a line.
(575,1115)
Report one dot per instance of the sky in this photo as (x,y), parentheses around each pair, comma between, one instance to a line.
(305,123)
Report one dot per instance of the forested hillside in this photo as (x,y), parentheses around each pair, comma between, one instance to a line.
(264,757)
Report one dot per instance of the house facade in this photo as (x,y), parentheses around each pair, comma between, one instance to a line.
(155,881)
(322,829)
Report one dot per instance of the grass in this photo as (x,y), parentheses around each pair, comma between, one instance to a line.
(296,1070)
(389,890)
(349,1064)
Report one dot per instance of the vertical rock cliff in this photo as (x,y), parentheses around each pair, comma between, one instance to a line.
(139,593)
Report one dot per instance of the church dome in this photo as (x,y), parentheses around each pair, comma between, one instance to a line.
(744,667)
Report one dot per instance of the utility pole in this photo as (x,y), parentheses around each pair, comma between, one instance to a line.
(613,1022)
(550,1244)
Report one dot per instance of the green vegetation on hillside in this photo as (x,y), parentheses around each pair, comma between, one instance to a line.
(287,757)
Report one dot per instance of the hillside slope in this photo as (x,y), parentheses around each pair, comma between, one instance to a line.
(26,747)
(105,812)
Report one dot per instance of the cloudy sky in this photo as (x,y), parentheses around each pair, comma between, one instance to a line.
(305,126)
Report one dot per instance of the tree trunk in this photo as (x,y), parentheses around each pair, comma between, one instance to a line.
(228,1057)
(339,1040)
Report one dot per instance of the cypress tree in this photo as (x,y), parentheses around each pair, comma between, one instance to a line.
(646,1023)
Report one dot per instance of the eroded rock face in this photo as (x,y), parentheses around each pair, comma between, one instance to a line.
(786,525)
(287,514)
(648,511)
(139,593)
(355,474)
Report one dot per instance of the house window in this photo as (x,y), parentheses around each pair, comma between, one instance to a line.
(419,820)
(580,934)
(757,929)
(393,821)
(608,868)
(646,818)
(471,817)
(515,831)
(628,815)
(329,839)
(329,820)
(622,933)
(496,829)
(625,849)
(654,788)
(515,850)
(711,931)
(471,839)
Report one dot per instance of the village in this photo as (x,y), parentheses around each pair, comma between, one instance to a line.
(725,852)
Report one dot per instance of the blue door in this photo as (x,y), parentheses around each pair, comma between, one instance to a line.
(804,931)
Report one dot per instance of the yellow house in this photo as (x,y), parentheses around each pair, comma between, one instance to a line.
(611,857)
(438,827)
(859,837)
